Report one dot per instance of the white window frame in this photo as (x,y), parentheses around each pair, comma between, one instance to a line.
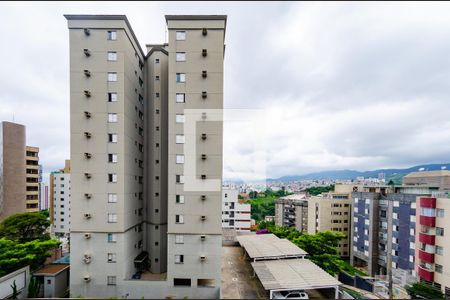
(112,257)
(112,35)
(114,177)
(439,250)
(179,199)
(179,159)
(112,118)
(180,77)
(179,258)
(112,56)
(113,238)
(179,239)
(112,76)
(180,35)
(180,56)
(112,97)
(112,218)
(112,198)
(111,280)
(180,219)
(180,139)
(180,98)
(113,137)
(440,213)
(180,118)
(181,179)
(113,158)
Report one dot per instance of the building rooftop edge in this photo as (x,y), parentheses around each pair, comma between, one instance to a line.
(196,17)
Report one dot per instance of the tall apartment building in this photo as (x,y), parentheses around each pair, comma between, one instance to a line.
(433,241)
(292,211)
(60,200)
(34,172)
(44,198)
(146,155)
(235,215)
(13,170)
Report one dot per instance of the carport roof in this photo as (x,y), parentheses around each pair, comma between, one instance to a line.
(269,246)
(294,274)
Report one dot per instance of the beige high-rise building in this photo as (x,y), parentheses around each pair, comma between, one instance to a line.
(12,169)
(32,165)
(146,158)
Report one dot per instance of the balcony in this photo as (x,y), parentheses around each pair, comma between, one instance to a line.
(428,202)
(426,238)
(426,274)
(425,256)
(428,221)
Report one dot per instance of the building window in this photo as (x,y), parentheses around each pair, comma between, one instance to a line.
(179,199)
(112,35)
(179,139)
(206,283)
(112,237)
(428,212)
(440,213)
(112,218)
(179,259)
(156,60)
(180,98)
(156,77)
(179,178)
(439,250)
(112,56)
(111,257)
(112,76)
(112,137)
(112,198)
(181,77)
(112,177)
(180,118)
(438,268)
(179,219)
(181,35)
(179,239)
(111,280)
(112,118)
(112,158)
(112,97)
(157,95)
(179,159)
(439,231)
(181,56)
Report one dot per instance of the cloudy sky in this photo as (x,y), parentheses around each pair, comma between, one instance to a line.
(309,86)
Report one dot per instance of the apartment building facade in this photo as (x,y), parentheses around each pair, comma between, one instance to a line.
(235,215)
(34,174)
(146,155)
(433,243)
(13,169)
(292,211)
(60,200)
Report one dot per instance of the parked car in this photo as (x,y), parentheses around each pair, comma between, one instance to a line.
(295,294)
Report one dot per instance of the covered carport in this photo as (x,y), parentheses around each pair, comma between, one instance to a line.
(293,274)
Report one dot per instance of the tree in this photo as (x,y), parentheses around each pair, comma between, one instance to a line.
(25,227)
(424,290)
(317,190)
(15,255)
(45,212)
(34,288)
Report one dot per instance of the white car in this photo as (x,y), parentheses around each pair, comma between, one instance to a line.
(299,294)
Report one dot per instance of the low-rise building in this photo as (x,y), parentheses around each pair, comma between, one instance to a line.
(235,214)
(440,178)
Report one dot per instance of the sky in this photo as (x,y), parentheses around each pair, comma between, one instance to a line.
(308,86)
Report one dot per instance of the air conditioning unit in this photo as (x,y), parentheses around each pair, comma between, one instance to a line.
(87,31)
(87,278)
(87,73)
(204,94)
(88,196)
(88,135)
(87,52)
(203,156)
(204,74)
(87,215)
(203,237)
(87,235)
(87,93)
(88,175)
(87,259)
(203,218)
(87,114)
(203,176)
(87,155)
(204,52)
(203,136)
(204,31)
(203,197)
(203,257)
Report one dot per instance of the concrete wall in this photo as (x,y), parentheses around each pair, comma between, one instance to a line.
(22,279)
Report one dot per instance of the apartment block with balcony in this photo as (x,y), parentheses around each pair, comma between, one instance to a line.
(146,155)
(235,215)
(292,211)
(433,243)
(33,171)
(60,192)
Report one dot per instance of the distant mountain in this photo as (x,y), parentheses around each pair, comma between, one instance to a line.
(352,174)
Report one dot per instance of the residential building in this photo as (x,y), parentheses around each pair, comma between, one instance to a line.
(53,280)
(13,171)
(292,211)
(433,241)
(235,214)
(439,178)
(146,155)
(34,172)
(44,196)
(60,200)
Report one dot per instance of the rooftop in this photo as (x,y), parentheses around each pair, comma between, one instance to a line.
(428,174)
(196,17)
(269,246)
(292,274)
(51,270)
